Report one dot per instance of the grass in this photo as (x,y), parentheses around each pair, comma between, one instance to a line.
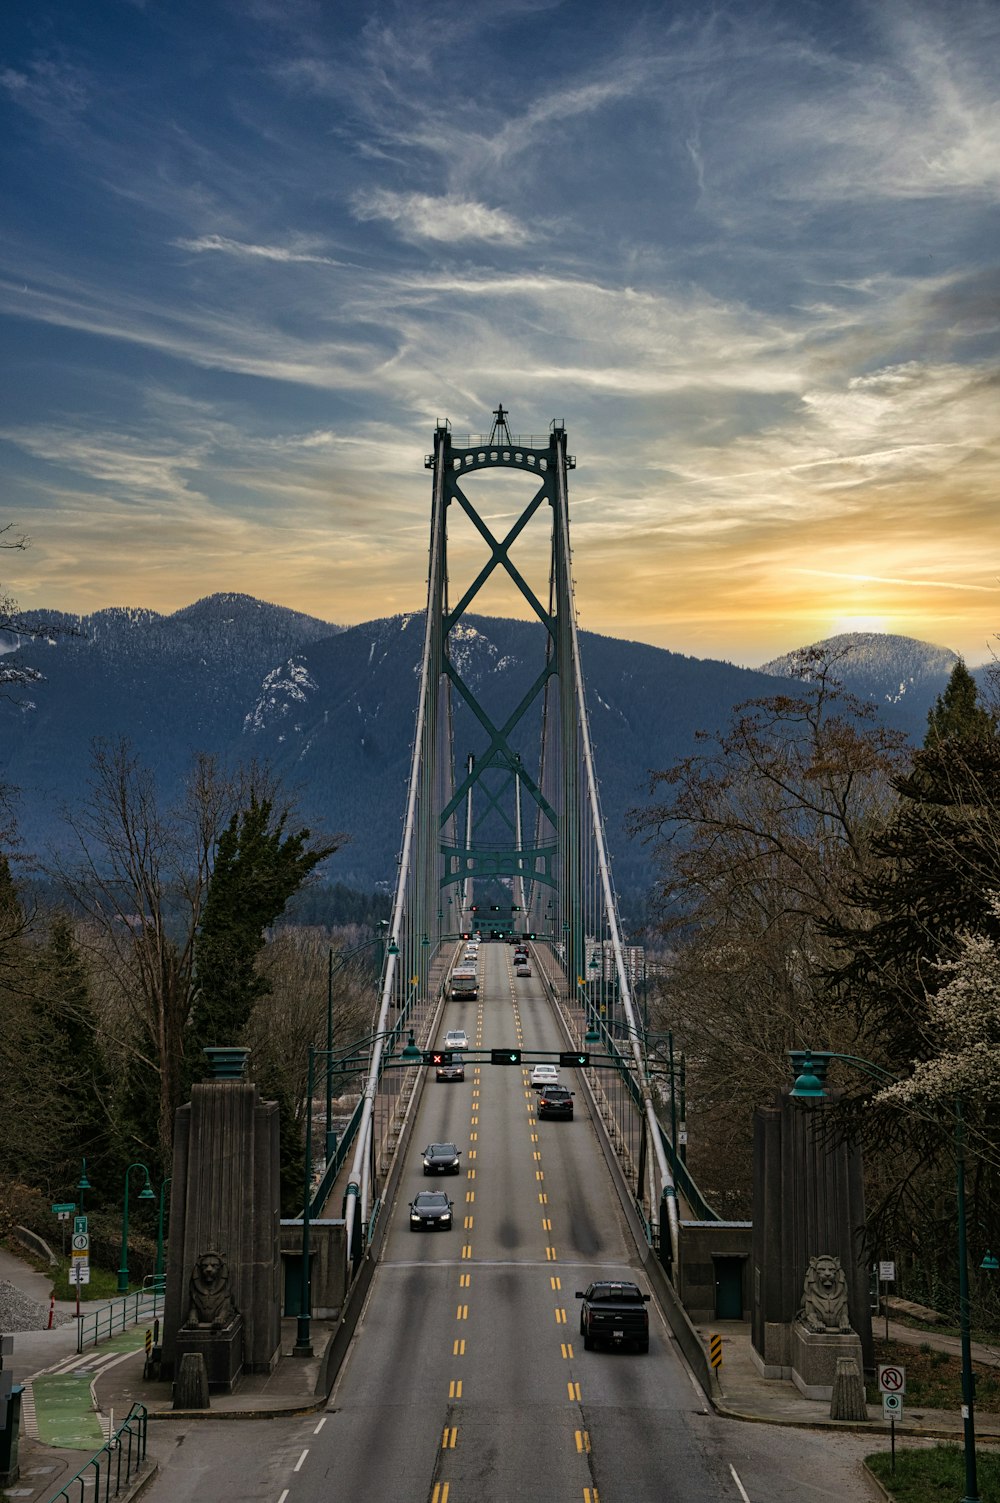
(934,1379)
(103,1281)
(935,1475)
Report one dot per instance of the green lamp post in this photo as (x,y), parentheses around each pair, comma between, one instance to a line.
(83,1185)
(146,1193)
(811,1066)
(303,1335)
(159,1227)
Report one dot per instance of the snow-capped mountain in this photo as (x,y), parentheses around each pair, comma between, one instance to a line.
(332,710)
(878,666)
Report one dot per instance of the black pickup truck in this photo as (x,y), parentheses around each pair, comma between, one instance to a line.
(616,1313)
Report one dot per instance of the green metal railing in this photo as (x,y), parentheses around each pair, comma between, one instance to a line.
(112,1468)
(144,1304)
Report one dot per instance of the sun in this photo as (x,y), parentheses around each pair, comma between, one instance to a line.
(843,624)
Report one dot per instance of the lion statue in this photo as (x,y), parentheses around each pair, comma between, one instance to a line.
(212,1304)
(824,1296)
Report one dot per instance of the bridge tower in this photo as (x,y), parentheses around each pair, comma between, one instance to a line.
(510,822)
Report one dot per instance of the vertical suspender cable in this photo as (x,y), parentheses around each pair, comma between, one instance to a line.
(668,1189)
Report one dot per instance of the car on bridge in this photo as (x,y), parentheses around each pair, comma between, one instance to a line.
(430,1210)
(522,968)
(614,1312)
(456,1038)
(555,1101)
(454,1071)
(543,1075)
(441,1158)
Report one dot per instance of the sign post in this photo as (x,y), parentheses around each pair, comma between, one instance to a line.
(79,1272)
(886,1275)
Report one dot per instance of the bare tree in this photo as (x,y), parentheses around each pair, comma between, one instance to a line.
(760,837)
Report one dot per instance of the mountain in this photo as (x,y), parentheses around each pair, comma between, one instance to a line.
(888,670)
(332,710)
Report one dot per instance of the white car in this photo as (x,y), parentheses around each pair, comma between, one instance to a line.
(456,1038)
(543,1075)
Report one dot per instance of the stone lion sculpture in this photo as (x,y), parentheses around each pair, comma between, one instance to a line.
(212,1304)
(824,1296)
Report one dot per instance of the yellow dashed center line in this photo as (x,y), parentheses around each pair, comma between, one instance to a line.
(573,1389)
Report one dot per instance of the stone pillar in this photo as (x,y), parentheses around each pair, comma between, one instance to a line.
(808,1200)
(225,1199)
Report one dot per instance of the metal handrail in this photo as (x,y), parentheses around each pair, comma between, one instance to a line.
(100,1478)
(99,1324)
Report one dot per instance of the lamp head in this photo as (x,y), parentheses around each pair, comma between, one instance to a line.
(810,1067)
(411,1053)
(990,1264)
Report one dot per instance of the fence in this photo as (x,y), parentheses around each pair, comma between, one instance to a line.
(98,1325)
(113,1467)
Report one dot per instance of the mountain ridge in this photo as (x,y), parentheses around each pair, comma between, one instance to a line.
(331,709)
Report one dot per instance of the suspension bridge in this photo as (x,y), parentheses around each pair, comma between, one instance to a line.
(503,834)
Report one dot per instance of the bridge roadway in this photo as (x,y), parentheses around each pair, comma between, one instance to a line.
(467,1379)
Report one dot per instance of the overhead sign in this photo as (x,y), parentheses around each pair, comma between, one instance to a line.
(891,1378)
(505,1056)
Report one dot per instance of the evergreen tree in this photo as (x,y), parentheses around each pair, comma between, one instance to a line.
(958,713)
(257,868)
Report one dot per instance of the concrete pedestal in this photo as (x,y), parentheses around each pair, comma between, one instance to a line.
(815,1355)
(222,1351)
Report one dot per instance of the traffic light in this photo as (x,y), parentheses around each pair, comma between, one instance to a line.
(436,1056)
(505,1056)
(574,1061)
(529,936)
(474,908)
(515,908)
(467,934)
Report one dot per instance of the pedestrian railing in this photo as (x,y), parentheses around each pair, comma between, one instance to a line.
(119,1314)
(112,1468)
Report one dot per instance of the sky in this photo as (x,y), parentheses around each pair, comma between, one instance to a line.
(252,252)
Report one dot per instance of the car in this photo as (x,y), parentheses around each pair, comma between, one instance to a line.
(430,1210)
(543,1075)
(441,1158)
(555,1101)
(454,1071)
(614,1312)
(456,1038)
(523,969)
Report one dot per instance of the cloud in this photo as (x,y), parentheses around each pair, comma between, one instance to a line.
(420,216)
(280,253)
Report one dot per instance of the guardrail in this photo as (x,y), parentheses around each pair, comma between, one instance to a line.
(98,1325)
(113,1467)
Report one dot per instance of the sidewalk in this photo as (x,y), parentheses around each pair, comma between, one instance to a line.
(745,1395)
(72,1397)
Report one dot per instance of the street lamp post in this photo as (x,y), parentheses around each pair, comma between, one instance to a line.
(342,959)
(410,1055)
(83,1185)
(810,1084)
(146,1193)
(159,1228)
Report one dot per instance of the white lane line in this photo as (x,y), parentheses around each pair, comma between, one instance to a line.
(283,1496)
(320,1425)
(739,1484)
(298,1465)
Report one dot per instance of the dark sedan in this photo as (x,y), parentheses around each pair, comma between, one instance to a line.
(454,1071)
(430,1211)
(555,1101)
(441,1158)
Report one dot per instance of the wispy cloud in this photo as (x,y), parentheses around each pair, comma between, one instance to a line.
(224,245)
(420,216)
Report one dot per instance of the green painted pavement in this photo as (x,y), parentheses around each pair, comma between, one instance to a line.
(64,1410)
(63,1413)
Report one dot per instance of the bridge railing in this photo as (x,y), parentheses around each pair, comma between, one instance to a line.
(114,1467)
(145,1304)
